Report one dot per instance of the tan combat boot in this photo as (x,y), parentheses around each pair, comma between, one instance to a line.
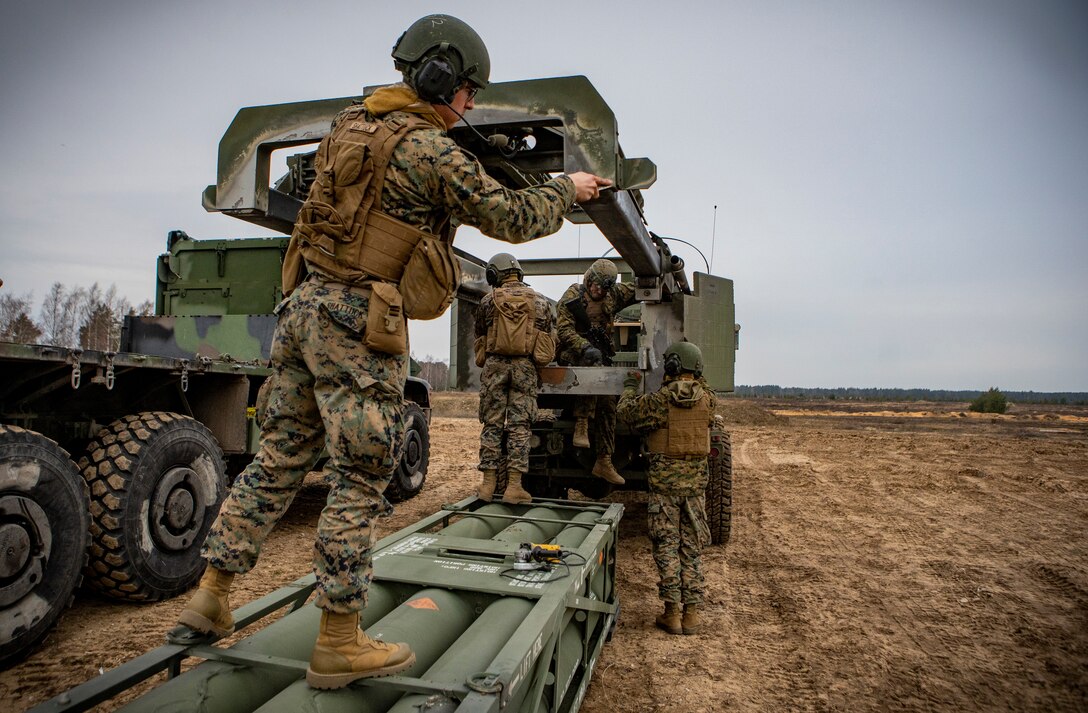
(603,468)
(690,623)
(670,619)
(209,611)
(486,490)
(581,433)
(343,653)
(515,494)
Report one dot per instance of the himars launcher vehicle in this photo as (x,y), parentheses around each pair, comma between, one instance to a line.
(199,362)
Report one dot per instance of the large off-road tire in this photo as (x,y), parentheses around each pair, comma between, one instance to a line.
(719,489)
(43,538)
(156,481)
(411,472)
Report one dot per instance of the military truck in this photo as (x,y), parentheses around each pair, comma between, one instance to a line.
(113,464)
(155,428)
(524,132)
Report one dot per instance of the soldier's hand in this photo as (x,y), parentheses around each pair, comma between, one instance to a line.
(633,379)
(592,356)
(587,186)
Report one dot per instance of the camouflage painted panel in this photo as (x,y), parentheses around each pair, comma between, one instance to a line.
(236,337)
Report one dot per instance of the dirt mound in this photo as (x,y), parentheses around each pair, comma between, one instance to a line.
(740,412)
(455,404)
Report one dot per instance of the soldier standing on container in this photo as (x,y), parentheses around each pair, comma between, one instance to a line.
(584,323)
(388,181)
(678,417)
(515,334)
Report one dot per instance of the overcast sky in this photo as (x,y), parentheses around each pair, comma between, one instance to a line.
(901,187)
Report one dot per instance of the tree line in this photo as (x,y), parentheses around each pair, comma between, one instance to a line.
(883,394)
(79,317)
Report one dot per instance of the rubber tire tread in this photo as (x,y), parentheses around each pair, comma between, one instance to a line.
(113,469)
(400,486)
(719,491)
(70,501)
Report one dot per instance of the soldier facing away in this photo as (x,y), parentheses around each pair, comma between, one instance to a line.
(388,180)
(677,417)
(515,333)
(585,315)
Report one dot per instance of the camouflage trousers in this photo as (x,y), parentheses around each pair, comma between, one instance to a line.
(678,532)
(508,387)
(601,412)
(327,391)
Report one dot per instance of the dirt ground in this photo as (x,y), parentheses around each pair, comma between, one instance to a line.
(883,557)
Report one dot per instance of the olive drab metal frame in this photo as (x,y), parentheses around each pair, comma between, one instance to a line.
(487,636)
(571,128)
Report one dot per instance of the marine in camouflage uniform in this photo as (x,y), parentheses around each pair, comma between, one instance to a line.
(508,389)
(677,511)
(329,390)
(586,312)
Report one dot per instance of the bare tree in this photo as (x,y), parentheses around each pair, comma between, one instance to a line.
(52,315)
(96,330)
(68,332)
(436,373)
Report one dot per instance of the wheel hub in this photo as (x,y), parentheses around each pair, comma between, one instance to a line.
(25,544)
(177,509)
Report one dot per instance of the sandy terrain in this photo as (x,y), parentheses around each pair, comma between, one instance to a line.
(884,557)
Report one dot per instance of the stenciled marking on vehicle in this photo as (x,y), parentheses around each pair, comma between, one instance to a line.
(470,567)
(409,545)
(530,580)
(527,662)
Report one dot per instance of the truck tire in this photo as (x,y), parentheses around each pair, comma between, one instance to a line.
(43,538)
(156,481)
(719,488)
(411,472)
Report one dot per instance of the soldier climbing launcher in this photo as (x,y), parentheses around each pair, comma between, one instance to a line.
(488,634)
(525,132)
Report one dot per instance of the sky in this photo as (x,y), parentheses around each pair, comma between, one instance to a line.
(898,189)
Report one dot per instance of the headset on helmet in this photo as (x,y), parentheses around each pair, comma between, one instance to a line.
(437,54)
(683,357)
(499,266)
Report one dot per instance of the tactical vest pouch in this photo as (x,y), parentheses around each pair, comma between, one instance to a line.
(386,330)
(479,348)
(294,268)
(543,348)
(430,278)
(685,434)
(513,327)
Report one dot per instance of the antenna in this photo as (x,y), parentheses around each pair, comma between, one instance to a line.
(713,235)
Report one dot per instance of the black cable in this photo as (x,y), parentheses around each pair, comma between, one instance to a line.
(490,141)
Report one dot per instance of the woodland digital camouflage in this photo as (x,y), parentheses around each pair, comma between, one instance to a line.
(331,390)
(572,328)
(576,319)
(677,512)
(508,387)
(327,389)
(678,532)
(429,176)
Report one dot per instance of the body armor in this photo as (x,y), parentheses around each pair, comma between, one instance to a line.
(685,433)
(341,232)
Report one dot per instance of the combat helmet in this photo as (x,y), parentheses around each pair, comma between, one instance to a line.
(438,53)
(683,357)
(500,266)
(602,272)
